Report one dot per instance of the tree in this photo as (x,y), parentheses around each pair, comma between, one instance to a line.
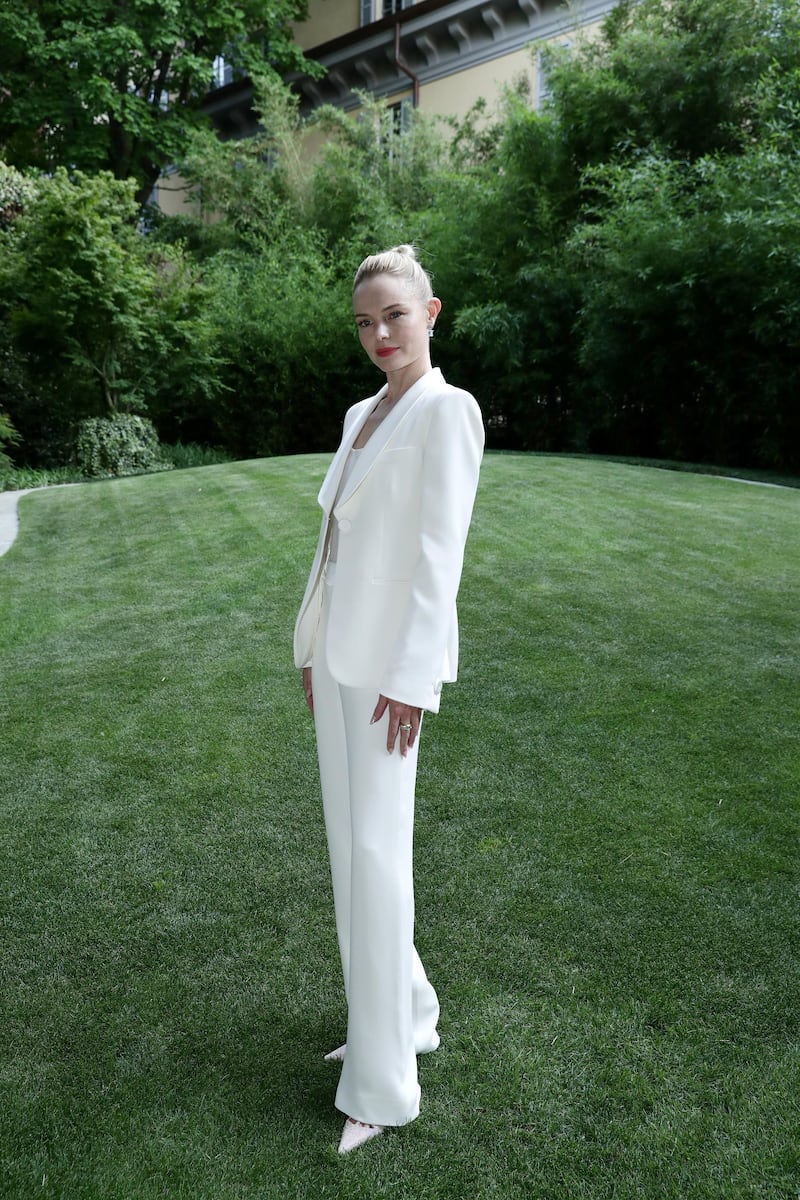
(510,300)
(688,328)
(676,76)
(118,85)
(356,187)
(293,361)
(683,122)
(94,319)
(624,263)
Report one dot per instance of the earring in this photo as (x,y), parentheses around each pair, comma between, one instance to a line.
(430,331)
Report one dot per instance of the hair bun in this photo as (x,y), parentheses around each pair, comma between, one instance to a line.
(402,262)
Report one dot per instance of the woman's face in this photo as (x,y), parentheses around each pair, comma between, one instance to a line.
(393,322)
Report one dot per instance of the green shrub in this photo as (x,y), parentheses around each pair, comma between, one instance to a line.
(120,445)
(191,455)
(22,478)
(8,436)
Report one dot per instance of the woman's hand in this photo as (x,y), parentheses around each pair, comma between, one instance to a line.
(308,689)
(403,719)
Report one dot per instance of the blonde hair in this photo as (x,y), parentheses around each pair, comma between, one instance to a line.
(402,262)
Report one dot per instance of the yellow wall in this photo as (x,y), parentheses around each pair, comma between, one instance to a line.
(173,196)
(327,19)
(456,94)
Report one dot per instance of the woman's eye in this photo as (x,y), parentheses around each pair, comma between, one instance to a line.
(396,314)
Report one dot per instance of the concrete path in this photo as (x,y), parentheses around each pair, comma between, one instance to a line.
(9,521)
(8,518)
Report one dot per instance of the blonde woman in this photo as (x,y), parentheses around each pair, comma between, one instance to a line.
(376,637)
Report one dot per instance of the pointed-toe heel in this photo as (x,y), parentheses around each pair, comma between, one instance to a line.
(356,1133)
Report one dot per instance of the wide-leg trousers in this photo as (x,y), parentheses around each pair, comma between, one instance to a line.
(368,802)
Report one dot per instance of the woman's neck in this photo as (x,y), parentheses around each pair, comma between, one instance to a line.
(398,382)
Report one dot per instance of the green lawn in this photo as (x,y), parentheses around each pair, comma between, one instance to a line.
(607,847)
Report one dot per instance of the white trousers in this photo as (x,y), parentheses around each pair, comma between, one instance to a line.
(368,801)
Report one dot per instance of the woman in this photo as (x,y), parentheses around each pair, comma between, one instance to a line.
(376,637)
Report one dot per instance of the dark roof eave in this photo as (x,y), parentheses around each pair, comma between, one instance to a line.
(356,35)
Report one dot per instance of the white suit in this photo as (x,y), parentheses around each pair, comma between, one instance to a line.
(387,626)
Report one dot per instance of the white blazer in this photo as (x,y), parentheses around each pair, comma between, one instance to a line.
(403,519)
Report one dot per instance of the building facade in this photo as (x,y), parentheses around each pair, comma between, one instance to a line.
(438,56)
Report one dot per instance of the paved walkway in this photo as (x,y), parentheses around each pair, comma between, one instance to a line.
(8,518)
(9,521)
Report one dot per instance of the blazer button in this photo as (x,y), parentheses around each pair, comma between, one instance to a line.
(344,526)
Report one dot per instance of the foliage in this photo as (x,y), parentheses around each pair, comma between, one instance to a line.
(677,77)
(352,180)
(24,478)
(242,188)
(369,176)
(8,437)
(124,444)
(689,324)
(68,306)
(278,267)
(182,358)
(103,86)
(511,288)
(16,190)
(618,268)
(80,286)
(292,361)
(93,319)
(639,293)
(188,455)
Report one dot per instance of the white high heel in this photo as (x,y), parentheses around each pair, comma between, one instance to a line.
(336,1055)
(357,1133)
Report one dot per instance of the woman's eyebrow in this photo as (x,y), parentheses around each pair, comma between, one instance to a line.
(386,308)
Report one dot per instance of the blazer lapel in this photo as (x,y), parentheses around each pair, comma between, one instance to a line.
(330,484)
(383,434)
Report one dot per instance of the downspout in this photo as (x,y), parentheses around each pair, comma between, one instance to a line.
(398,62)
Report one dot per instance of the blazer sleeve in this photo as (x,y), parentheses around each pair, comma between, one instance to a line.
(452,454)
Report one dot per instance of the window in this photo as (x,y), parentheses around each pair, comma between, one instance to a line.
(401,115)
(373,10)
(542,82)
(223,72)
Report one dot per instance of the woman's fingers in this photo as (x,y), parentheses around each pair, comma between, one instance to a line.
(380,709)
(404,723)
(405,738)
(307,688)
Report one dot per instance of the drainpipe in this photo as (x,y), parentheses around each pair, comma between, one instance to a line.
(398,62)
